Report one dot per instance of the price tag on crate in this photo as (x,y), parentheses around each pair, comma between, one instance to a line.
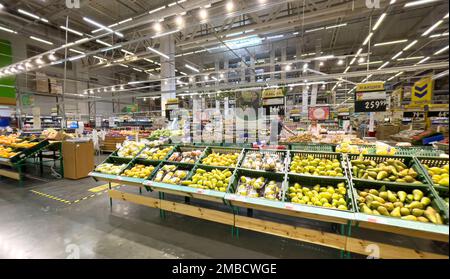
(91,173)
(148,183)
(292,206)
(372,219)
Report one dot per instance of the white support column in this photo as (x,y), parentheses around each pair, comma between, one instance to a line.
(217,70)
(252,71)
(272,63)
(316,67)
(225,67)
(283,60)
(167,71)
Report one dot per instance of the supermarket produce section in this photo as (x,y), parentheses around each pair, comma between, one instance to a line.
(400,194)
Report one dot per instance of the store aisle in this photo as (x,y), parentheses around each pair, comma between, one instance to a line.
(36,226)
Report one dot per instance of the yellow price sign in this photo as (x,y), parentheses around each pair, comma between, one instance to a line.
(272,93)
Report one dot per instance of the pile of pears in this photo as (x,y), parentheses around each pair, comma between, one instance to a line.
(438,175)
(316,166)
(329,196)
(412,206)
(391,170)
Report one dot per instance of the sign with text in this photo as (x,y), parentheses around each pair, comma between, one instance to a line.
(422,92)
(370,97)
(272,93)
(319,113)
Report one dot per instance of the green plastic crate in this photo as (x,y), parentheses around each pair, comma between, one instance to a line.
(433,162)
(420,151)
(185,148)
(223,150)
(283,153)
(278,177)
(361,185)
(323,182)
(320,155)
(407,160)
(311,147)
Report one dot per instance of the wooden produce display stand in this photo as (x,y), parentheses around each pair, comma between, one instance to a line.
(347,220)
(14,167)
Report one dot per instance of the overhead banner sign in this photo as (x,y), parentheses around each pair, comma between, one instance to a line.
(422,92)
(273,93)
(370,97)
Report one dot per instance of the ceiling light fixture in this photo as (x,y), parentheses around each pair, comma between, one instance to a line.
(41,40)
(8,30)
(384,65)
(380,19)
(391,42)
(71,31)
(103,43)
(417,3)
(32,15)
(441,50)
(397,55)
(367,38)
(102,26)
(410,45)
(203,13)
(192,68)
(156,10)
(229,6)
(340,62)
(410,58)
(158,52)
(314,30)
(434,26)
(336,26)
(157,26)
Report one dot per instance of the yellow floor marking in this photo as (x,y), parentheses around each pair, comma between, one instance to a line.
(103,187)
(50,197)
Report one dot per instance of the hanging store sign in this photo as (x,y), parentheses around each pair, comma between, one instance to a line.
(319,113)
(422,92)
(414,115)
(272,93)
(273,102)
(438,114)
(172,101)
(370,97)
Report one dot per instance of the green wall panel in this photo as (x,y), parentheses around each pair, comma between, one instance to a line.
(8,84)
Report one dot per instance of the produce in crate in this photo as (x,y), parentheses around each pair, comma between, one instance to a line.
(155,153)
(171,175)
(264,161)
(130,149)
(186,157)
(221,159)
(259,187)
(446,201)
(159,134)
(324,196)
(217,180)
(24,144)
(139,171)
(414,206)
(352,149)
(109,168)
(7,152)
(439,175)
(391,170)
(316,166)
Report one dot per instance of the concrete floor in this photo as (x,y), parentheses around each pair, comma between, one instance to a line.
(36,226)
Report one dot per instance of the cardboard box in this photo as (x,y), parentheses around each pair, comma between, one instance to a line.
(41,82)
(78,159)
(385,131)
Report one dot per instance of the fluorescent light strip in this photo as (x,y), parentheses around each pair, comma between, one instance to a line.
(371,63)
(32,15)
(127,52)
(410,45)
(391,42)
(192,68)
(353,61)
(165,34)
(172,4)
(397,55)
(125,21)
(110,48)
(275,37)
(8,30)
(428,31)
(441,50)
(417,3)
(324,57)
(346,69)
(439,35)
(314,30)
(71,31)
(411,58)
(149,60)
(41,40)
(123,65)
(102,26)
(76,51)
(137,70)
(77,57)
(336,26)
(103,43)
(82,40)
(384,65)
(359,52)
(367,38)
(380,19)
(158,52)
(99,58)
(157,9)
